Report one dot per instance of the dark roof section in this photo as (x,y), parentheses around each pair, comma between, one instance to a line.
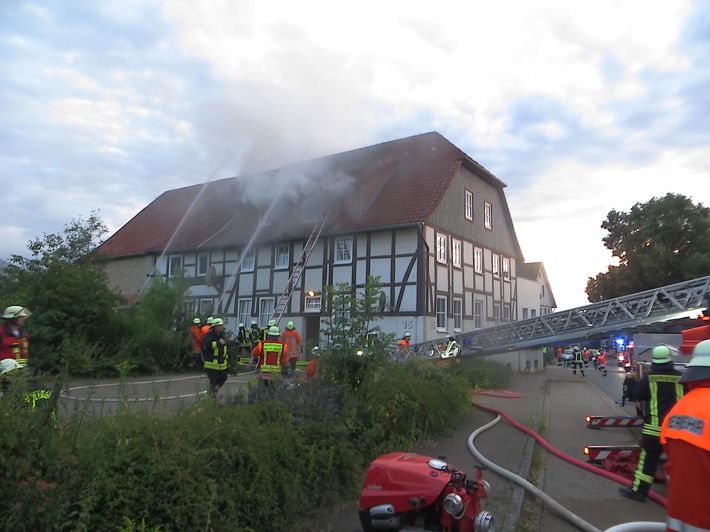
(399,182)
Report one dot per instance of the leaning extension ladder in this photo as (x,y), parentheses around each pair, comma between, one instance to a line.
(298,269)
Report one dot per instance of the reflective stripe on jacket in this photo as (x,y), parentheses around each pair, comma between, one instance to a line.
(14,347)
(657,407)
(214,354)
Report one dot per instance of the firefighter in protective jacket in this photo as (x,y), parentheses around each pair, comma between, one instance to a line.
(14,341)
(214,353)
(660,390)
(685,435)
(272,354)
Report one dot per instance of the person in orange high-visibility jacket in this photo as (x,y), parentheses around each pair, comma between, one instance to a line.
(272,354)
(292,338)
(685,435)
(196,337)
(207,326)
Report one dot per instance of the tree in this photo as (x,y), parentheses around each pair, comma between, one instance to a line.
(663,241)
(64,286)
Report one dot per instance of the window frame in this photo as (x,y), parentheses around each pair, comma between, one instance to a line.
(456,253)
(244,310)
(457,308)
(506,268)
(478,314)
(248,260)
(495,265)
(264,304)
(282,256)
(441,315)
(442,242)
(496,313)
(478,260)
(468,205)
(202,257)
(348,248)
(312,303)
(488,215)
(172,267)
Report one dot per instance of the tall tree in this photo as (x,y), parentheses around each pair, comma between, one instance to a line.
(663,241)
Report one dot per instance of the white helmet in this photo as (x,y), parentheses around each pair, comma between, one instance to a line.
(16,311)
(8,364)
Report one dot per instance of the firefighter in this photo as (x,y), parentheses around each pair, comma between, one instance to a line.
(660,390)
(214,353)
(403,346)
(601,362)
(207,326)
(14,341)
(685,435)
(292,338)
(244,340)
(265,330)
(578,361)
(272,354)
(196,337)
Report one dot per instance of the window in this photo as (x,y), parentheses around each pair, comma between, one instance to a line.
(542,291)
(266,309)
(506,314)
(496,313)
(458,314)
(441,313)
(175,265)
(441,248)
(478,260)
(488,215)
(525,313)
(313,303)
(248,260)
(496,265)
(532,312)
(203,262)
(206,306)
(244,313)
(478,314)
(506,268)
(343,250)
(282,256)
(456,252)
(468,205)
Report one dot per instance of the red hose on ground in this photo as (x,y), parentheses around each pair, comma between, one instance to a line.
(660,499)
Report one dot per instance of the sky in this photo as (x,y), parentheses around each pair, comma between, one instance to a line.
(579,107)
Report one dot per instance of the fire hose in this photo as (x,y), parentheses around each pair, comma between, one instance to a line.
(546,499)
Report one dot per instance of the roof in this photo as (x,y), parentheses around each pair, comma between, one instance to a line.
(400,182)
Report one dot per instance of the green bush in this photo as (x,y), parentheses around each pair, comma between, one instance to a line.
(278,455)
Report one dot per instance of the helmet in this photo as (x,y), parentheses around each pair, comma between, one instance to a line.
(210,321)
(253,322)
(290,325)
(217,321)
(407,334)
(662,354)
(271,323)
(8,364)
(241,324)
(316,349)
(273,331)
(16,311)
(196,320)
(699,366)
